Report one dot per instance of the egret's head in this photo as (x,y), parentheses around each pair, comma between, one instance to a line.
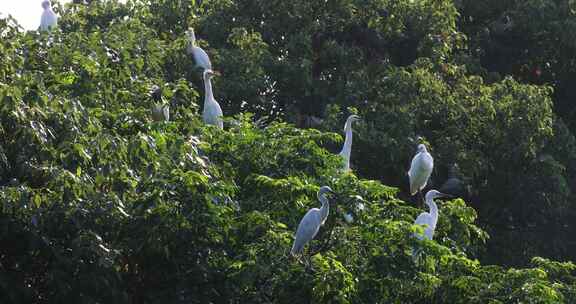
(324,190)
(208,74)
(155,92)
(352,118)
(46,4)
(454,169)
(422,148)
(348,218)
(433,194)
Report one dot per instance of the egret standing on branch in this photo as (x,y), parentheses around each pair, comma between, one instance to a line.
(49,18)
(200,56)
(347,148)
(420,170)
(429,219)
(212,113)
(311,222)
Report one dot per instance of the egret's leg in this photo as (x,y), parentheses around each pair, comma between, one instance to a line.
(309,263)
(416,254)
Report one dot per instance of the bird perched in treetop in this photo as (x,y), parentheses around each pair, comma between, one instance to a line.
(455,184)
(347,148)
(429,219)
(160,109)
(420,169)
(212,113)
(311,222)
(48,19)
(200,56)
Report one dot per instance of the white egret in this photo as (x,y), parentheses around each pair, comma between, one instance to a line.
(200,56)
(212,113)
(420,169)
(48,19)
(311,222)
(347,148)
(429,219)
(349,218)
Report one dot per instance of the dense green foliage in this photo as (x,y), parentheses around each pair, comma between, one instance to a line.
(99,203)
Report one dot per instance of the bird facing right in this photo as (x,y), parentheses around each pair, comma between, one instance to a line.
(311,222)
(420,169)
(212,113)
(429,219)
(347,148)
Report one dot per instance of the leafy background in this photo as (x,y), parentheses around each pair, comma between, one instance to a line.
(101,204)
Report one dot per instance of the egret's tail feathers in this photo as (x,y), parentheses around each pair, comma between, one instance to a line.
(413,189)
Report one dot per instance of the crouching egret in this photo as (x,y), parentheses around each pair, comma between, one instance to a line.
(212,113)
(420,170)
(48,19)
(200,56)
(311,222)
(454,185)
(347,148)
(160,109)
(161,112)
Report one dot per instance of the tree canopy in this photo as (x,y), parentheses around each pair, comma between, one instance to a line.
(100,203)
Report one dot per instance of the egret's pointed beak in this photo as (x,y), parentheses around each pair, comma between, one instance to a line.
(217,73)
(446,195)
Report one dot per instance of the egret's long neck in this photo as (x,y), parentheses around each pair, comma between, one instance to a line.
(324,210)
(347,148)
(208,89)
(192,38)
(348,140)
(433,211)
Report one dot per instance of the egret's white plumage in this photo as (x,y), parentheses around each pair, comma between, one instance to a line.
(347,148)
(212,113)
(200,56)
(48,19)
(349,217)
(429,219)
(311,222)
(420,169)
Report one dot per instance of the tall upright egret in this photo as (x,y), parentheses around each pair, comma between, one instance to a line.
(200,56)
(212,113)
(347,148)
(311,222)
(429,219)
(420,170)
(48,19)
